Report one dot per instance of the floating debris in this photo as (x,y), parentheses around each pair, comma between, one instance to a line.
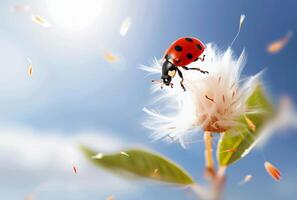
(125,26)
(30,67)
(110,198)
(246,179)
(276,46)
(110,57)
(41,21)
(74,169)
(272,171)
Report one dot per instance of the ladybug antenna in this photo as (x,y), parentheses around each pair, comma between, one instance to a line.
(162,83)
(157,81)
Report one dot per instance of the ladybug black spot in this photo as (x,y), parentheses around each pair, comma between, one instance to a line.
(178,48)
(189,39)
(189,56)
(199,46)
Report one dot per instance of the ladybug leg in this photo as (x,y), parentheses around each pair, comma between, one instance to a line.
(182,79)
(202,59)
(187,68)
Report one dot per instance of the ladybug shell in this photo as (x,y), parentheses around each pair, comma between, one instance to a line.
(184,51)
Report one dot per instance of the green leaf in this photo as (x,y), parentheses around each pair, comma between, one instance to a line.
(236,142)
(141,163)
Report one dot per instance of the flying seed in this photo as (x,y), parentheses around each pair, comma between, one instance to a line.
(242,17)
(41,21)
(109,57)
(74,169)
(241,20)
(30,67)
(246,179)
(272,171)
(30,71)
(125,26)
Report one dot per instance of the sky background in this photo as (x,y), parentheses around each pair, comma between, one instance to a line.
(76,96)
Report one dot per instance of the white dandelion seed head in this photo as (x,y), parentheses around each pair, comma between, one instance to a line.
(213,102)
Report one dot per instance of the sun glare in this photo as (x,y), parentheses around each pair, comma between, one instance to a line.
(74,14)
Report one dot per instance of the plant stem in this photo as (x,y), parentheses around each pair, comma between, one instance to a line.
(219,183)
(209,163)
(216,178)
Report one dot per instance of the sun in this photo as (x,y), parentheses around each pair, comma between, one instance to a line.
(74,14)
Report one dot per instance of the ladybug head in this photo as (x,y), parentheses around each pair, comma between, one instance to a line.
(168,72)
(166,80)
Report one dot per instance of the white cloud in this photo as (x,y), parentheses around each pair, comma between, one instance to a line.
(41,162)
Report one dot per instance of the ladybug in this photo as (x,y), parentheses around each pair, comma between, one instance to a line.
(180,53)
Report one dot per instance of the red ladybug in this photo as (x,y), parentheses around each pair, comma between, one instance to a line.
(180,53)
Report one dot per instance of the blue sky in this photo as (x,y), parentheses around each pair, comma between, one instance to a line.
(73,90)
